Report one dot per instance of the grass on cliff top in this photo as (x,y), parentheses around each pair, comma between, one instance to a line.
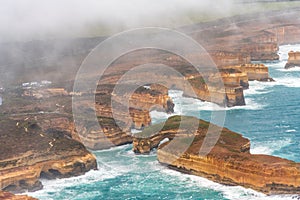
(228,140)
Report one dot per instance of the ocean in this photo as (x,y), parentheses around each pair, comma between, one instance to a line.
(271,120)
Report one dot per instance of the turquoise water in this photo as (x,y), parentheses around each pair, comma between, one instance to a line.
(271,120)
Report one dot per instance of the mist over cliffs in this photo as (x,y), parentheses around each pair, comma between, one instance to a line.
(33,19)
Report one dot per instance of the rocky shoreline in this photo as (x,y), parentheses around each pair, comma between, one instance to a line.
(28,153)
(38,136)
(10,196)
(229,162)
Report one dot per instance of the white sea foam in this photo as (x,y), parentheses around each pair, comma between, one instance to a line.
(58,185)
(157,116)
(134,131)
(108,167)
(230,192)
(290,131)
(258,87)
(250,105)
(268,147)
(261,149)
(294,69)
(185,104)
(288,81)
(285,49)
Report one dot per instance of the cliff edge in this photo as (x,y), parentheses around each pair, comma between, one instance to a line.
(28,153)
(229,162)
(293,60)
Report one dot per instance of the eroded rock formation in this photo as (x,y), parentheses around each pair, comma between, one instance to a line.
(28,153)
(293,60)
(258,72)
(233,43)
(229,162)
(10,196)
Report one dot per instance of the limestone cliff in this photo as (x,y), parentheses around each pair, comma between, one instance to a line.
(258,72)
(234,77)
(50,154)
(224,58)
(10,196)
(116,118)
(229,162)
(293,60)
(227,95)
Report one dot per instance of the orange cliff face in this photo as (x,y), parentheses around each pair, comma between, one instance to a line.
(229,162)
(10,196)
(258,72)
(293,60)
(116,118)
(49,154)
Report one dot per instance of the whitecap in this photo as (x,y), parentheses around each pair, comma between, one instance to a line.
(230,192)
(290,131)
(250,105)
(158,116)
(115,148)
(185,104)
(58,185)
(288,81)
(285,49)
(258,87)
(260,149)
(294,69)
(269,147)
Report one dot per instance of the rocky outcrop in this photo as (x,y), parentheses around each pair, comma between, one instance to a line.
(118,113)
(293,60)
(10,196)
(229,162)
(227,95)
(150,99)
(258,72)
(50,154)
(232,76)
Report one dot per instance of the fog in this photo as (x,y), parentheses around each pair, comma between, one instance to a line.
(44,38)
(35,19)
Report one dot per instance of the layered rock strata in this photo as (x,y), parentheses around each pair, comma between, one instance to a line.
(118,114)
(258,72)
(293,60)
(229,162)
(50,154)
(10,196)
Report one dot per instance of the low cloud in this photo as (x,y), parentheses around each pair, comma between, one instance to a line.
(35,19)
